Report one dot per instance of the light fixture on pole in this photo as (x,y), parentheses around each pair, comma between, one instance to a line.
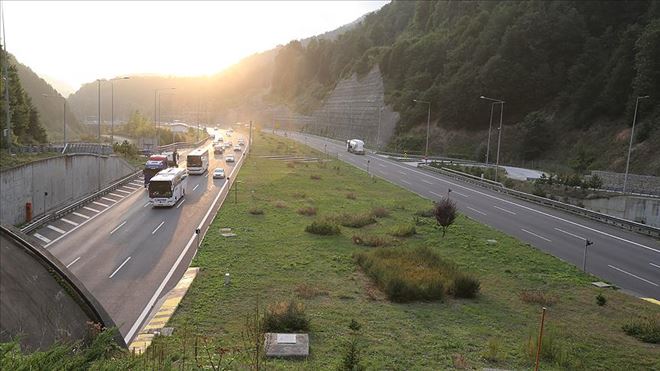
(490,125)
(632,132)
(428,128)
(156,112)
(112,109)
(64,119)
(499,129)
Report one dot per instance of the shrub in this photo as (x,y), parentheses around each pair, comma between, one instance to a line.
(307,211)
(465,286)
(355,220)
(644,329)
(285,316)
(601,300)
(280,204)
(380,212)
(445,213)
(372,241)
(403,230)
(351,196)
(256,211)
(323,228)
(538,297)
(315,177)
(306,291)
(552,350)
(494,351)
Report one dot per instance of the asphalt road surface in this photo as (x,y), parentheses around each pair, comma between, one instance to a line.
(129,254)
(626,259)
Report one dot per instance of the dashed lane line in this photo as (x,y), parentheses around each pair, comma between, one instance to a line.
(37,235)
(476,211)
(570,234)
(405,181)
(460,194)
(180,203)
(195,187)
(535,235)
(147,204)
(69,221)
(436,194)
(73,262)
(122,264)
(117,227)
(426,181)
(122,191)
(80,215)
(116,195)
(99,203)
(157,228)
(505,210)
(655,265)
(54,228)
(109,199)
(633,275)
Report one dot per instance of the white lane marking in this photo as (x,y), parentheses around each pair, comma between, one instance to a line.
(195,187)
(529,208)
(116,195)
(570,234)
(100,204)
(136,184)
(157,228)
(180,203)
(147,204)
(122,264)
(632,275)
(131,188)
(384,173)
(90,209)
(476,211)
(122,191)
(460,194)
(505,210)
(109,199)
(68,221)
(37,235)
(655,265)
(60,231)
(147,308)
(381,165)
(80,215)
(436,194)
(117,227)
(73,262)
(426,181)
(535,235)
(405,181)
(403,173)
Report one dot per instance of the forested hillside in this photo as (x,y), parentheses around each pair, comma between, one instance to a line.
(26,127)
(569,71)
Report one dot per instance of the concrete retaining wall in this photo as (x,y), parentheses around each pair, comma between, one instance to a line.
(638,209)
(52,183)
(644,184)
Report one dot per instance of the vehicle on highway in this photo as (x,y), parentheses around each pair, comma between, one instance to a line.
(218,149)
(230,158)
(197,161)
(154,164)
(168,186)
(237,148)
(241,142)
(229,144)
(172,158)
(219,173)
(355,146)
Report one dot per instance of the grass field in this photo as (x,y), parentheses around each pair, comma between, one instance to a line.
(274,259)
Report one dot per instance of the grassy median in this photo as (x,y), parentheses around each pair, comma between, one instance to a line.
(273,259)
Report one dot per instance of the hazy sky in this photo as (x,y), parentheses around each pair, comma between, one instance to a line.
(76,42)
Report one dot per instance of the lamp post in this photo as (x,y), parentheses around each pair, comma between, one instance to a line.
(490,125)
(632,132)
(160,95)
(380,111)
(112,110)
(499,129)
(64,100)
(428,128)
(156,112)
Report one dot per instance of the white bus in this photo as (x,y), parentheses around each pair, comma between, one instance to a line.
(197,161)
(168,186)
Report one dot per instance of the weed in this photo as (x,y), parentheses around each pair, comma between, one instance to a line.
(299,195)
(315,177)
(307,211)
(255,210)
(280,204)
(351,196)
(403,230)
(380,212)
(425,213)
(538,297)
(323,228)
(465,286)
(601,300)
(355,220)
(286,316)
(306,291)
(459,361)
(494,351)
(646,329)
(372,241)
(290,164)
(552,349)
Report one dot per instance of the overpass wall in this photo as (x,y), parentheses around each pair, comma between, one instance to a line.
(644,210)
(54,182)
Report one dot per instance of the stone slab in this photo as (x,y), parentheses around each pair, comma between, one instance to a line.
(286,349)
(601,284)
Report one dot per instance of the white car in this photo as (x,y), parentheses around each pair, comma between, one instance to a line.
(230,159)
(237,148)
(219,173)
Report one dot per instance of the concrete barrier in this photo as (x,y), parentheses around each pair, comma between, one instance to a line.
(53,182)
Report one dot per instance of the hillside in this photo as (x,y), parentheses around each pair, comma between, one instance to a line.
(569,71)
(50,109)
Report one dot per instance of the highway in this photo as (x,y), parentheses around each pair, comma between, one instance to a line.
(626,259)
(129,254)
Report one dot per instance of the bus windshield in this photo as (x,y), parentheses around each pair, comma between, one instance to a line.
(194,161)
(160,189)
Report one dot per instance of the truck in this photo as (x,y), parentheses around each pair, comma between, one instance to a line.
(172,158)
(154,164)
(355,146)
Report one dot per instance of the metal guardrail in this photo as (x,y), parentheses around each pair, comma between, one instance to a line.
(178,145)
(593,215)
(37,223)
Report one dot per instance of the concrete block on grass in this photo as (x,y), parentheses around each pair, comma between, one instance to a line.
(286,345)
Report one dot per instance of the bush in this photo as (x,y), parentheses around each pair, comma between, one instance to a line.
(306,291)
(256,211)
(494,351)
(280,204)
(445,213)
(403,230)
(372,241)
(538,297)
(601,300)
(351,196)
(644,329)
(355,220)
(307,211)
(315,177)
(552,349)
(465,286)
(323,228)
(286,316)
(380,212)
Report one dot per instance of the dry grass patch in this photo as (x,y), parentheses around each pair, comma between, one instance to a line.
(403,230)
(280,204)
(380,212)
(538,297)
(306,291)
(299,195)
(351,196)
(307,211)
(315,177)
(354,220)
(372,241)
(323,227)
(255,210)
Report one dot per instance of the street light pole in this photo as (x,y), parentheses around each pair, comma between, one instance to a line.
(380,111)
(112,110)
(99,108)
(499,134)
(499,139)
(64,100)
(490,125)
(156,115)
(632,132)
(428,128)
